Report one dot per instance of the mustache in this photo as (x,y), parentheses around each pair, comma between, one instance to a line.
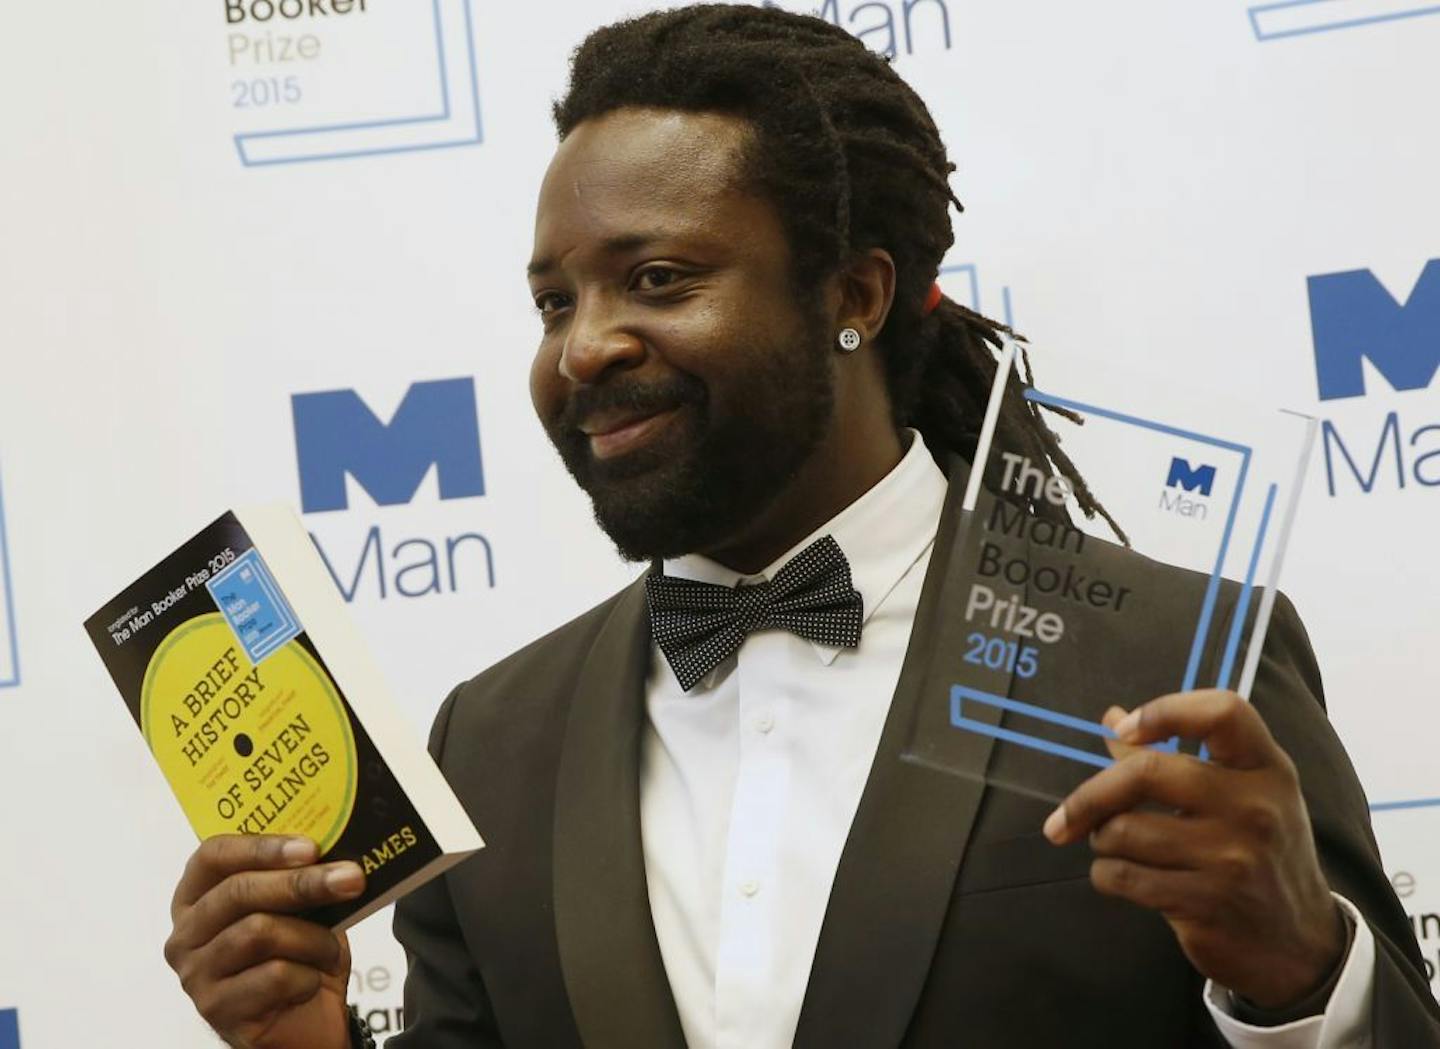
(647,397)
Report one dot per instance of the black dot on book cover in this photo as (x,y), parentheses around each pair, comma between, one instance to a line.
(243,746)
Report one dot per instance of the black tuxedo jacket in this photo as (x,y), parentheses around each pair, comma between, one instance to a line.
(952,921)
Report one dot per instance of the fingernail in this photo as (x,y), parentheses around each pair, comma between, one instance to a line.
(1129,725)
(298,850)
(1055,825)
(345,880)
(1111,716)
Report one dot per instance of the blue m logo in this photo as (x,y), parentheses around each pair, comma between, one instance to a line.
(1183,475)
(336,434)
(1353,318)
(9,1029)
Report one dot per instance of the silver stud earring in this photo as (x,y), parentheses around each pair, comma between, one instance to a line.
(849,340)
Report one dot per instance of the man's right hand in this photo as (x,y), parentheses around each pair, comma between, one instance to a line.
(261,977)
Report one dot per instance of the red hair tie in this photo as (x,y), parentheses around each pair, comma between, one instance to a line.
(932,299)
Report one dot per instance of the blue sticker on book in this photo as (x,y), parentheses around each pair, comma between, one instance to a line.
(253,605)
(9,1029)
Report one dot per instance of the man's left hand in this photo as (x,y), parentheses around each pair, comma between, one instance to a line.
(1228,858)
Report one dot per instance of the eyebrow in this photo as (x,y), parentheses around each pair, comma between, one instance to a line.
(617,245)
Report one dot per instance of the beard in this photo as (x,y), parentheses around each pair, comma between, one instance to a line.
(712,471)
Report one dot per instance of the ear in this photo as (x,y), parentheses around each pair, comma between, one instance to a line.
(867,290)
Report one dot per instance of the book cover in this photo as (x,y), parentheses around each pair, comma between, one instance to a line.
(259,701)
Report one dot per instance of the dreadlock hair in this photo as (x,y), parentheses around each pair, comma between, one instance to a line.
(851,158)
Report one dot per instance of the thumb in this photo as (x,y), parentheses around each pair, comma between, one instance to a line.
(342,960)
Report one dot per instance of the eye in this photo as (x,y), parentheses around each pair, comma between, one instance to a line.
(548,302)
(653,278)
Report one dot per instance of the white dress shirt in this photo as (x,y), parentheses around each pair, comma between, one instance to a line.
(749,784)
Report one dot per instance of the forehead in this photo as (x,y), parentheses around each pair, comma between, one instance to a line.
(641,171)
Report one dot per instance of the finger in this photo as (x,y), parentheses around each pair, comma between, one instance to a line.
(257,938)
(1111,718)
(1230,727)
(1160,839)
(257,992)
(225,854)
(268,892)
(1176,894)
(1174,780)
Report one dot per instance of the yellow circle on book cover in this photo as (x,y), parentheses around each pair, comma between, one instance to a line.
(247,748)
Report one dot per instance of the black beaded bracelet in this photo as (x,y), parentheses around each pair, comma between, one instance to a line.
(360,1036)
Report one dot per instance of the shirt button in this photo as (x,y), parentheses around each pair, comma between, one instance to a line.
(750,888)
(764,722)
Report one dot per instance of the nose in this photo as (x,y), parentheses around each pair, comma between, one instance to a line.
(597,342)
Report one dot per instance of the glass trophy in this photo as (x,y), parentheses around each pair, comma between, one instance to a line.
(1155,574)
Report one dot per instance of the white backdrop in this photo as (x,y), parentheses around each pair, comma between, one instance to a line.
(1152,183)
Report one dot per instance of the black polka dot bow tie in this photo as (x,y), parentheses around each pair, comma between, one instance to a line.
(698,625)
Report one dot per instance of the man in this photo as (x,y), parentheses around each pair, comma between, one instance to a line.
(710,838)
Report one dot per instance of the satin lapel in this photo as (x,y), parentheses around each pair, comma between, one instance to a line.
(609,954)
(898,869)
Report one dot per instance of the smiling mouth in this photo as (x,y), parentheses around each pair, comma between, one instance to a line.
(628,436)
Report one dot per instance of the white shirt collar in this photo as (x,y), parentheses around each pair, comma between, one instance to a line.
(882,534)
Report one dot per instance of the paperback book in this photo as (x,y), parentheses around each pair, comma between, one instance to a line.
(266,713)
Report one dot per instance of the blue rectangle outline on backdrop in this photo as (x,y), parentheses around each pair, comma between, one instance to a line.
(1328,27)
(7,584)
(1202,626)
(242,137)
(290,624)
